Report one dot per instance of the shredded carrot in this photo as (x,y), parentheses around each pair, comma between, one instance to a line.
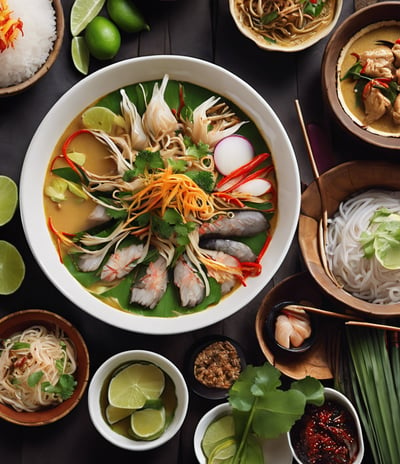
(10,28)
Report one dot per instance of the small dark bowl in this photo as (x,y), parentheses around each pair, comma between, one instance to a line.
(269,331)
(196,386)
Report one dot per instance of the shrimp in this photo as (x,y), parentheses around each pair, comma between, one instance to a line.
(191,287)
(236,224)
(149,290)
(239,250)
(122,262)
(228,273)
(292,329)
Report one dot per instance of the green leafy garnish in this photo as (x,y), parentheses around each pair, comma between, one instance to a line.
(313,7)
(145,161)
(196,150)
(261,410)
(64,387)
(34,378)
(204,179)
(383,238)
(20,346)
(270,17)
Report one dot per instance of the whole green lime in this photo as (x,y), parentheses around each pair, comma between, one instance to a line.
(102,38)
(126,15)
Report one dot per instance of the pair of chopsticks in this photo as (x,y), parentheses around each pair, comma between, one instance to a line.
(350,319)
(323,223)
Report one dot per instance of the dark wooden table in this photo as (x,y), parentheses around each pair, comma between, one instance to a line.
(202,29)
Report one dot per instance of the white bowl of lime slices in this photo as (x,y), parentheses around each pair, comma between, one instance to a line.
(138,400)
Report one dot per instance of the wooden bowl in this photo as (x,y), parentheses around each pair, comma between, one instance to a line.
(260,41)
(60,24)
(296,365)
(339,183)
(386,11)
(20,320)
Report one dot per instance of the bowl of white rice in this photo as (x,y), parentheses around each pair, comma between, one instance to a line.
(362,199)
(37,34)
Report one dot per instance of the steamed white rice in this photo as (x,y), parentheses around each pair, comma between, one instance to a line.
(33,47)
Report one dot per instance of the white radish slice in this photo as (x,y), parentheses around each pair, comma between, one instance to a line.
(231,153)
(255,187)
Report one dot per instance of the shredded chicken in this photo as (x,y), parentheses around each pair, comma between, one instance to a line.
(375,103)
(378,62)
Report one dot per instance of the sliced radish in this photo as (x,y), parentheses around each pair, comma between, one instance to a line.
(231,153)
(255,187)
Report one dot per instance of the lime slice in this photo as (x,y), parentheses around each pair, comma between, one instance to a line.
(223,452)
(101,118)
(216,432)
(12,268)
(133,386)
(114,414)
(80,54)
(148,424)
(8,199)
(82,12)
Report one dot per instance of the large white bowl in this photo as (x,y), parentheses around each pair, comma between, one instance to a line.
(120,74)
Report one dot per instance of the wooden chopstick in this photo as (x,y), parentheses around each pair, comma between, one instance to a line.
(371,325)
(323,223)
(323,312)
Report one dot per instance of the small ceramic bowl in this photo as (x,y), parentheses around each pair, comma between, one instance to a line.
(242,23)
(340,183)
(275,450)
(208,391)
(269,331)
(354,26)
(53,54)
(343,402)
(99,384)
(20,320)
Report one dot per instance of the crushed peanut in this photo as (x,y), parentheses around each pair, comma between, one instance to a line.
(218,365)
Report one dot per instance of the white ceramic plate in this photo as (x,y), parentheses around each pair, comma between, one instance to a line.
(136,70)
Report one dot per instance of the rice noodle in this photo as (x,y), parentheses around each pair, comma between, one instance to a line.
(291,25)
(363,278)
(43,348)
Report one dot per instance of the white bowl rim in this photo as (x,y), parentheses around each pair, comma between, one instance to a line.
(295,48)
(86,92)
(107,368)
(333,394)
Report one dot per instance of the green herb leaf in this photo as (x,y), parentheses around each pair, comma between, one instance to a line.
(64,387)
(20,346)
(198,151)
(148,160)
(313,7)
(270,17)
(204,179)
(34,378)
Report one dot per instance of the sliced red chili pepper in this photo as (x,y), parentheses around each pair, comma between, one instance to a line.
(264,248)
(260,173)
(251,269)
(245,169)
(229,198)
(59,235)
(67,143)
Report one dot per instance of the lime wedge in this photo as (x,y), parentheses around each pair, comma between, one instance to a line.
(12,268)
(8,199)
(82,12)
(133,386)
(148,424)
(223,452)
(217,432)
(101,118)
(114,414)
(80,54)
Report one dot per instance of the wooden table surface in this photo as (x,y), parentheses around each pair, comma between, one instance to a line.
(202,29)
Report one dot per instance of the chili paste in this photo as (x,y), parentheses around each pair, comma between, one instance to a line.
(325,434)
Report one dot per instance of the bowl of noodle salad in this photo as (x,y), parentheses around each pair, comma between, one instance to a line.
(361,244)
(44,367)
(285,25)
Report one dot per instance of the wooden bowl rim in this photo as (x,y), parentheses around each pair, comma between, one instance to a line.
(54,52)
(339,183)
(19,320)
(378,12)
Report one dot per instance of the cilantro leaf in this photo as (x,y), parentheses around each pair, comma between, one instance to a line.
(313,7)
(204,179)
(64,388)
(198,151)
(34,378)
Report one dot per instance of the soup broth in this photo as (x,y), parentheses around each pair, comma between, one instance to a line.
(71,218)
(366,39)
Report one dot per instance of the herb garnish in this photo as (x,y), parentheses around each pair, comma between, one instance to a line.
(313,7)
(261,410)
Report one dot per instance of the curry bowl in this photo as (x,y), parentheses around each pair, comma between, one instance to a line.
(43,44)
(190,71)
(40,328)
(283,29)
(351,100)
(341,183)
